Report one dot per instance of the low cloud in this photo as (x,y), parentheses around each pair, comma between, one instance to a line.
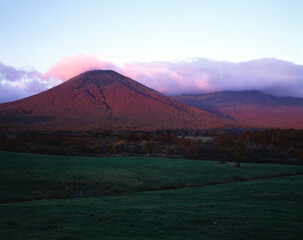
(271,76)
(69,67)
(193,76)
(18,83)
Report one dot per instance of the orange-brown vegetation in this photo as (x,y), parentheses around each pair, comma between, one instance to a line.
(103,100)
(274,145)
(251,108)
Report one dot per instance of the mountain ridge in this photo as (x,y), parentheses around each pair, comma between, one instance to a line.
(251,107)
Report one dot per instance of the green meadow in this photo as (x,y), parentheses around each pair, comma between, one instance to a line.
(59,197)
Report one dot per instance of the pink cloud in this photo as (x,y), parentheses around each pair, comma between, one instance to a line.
(170,77)
(71,66)
(197,76)
(201,75)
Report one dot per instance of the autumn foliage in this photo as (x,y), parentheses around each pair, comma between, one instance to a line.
(273,145)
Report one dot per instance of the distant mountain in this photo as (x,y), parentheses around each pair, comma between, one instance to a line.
(103,100)
(250,108)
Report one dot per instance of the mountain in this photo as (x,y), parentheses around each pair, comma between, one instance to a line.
(103,100)
(251,108)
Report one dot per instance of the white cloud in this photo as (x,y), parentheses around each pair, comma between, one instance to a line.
(198,75)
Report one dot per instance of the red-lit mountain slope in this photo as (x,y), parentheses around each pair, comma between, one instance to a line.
(250,108)
(103,100)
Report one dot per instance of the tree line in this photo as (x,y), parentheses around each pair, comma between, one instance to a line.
(271,145)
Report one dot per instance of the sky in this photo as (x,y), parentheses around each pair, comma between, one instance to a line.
(46,42)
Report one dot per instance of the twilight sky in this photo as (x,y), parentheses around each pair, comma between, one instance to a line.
(174,46)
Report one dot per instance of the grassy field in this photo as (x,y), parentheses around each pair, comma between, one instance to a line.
(255,209)
(34,176)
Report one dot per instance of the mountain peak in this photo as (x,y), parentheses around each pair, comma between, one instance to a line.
(99,75)
(103,99)
(100,72)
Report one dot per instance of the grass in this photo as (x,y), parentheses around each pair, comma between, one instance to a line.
(34,176)
(268,208)
(261,209)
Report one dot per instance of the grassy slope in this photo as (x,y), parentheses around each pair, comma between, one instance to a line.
(261,209)
(33,176)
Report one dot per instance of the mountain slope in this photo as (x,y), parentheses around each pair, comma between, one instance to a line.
(251,108)
(103,100)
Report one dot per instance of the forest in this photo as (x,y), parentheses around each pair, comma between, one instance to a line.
(269,145)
